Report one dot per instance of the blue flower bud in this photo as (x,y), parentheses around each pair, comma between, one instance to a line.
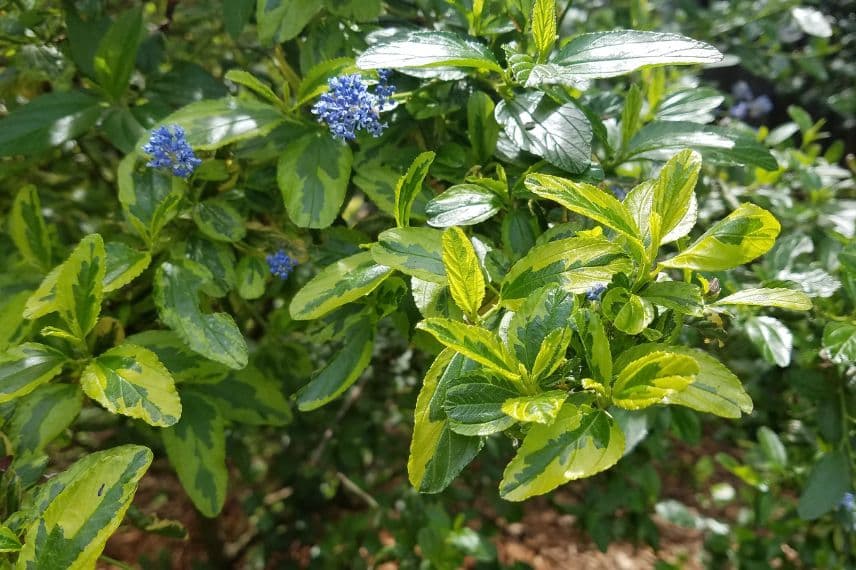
(170,150)
(281,265)
(595,292)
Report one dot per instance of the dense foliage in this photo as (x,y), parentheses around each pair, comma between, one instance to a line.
(260,246)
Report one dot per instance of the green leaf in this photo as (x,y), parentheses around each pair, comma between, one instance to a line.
(80,285)
(609,54)
(839,339)
(130,380)
(428,49)
(586,200)
(117,51)
(560,134)
(829,479)
(214,336)
(715,389)
(28,229)
(43,301)
(673,189)
(314,81)
(772,447)
(462,205)
(552,353)
(482,128)
(47,121)
(9,541)
(281,20)
(598,353)
(359,10)
(542,312)
(123,265)
(473,405)
(576,264)
(214,123)
(650,379)
(685,298)
(476,343)
(763,297)
(634,316)
(466,282)
(216,260)
(640,203)
(631,114)
(313,173)
(437,454)
(196,447)
(410,185)
(253,83)
(122,128)
(772,338)
(251,274)
(434,299)
(84,509)
(236,15)
(541,408)
(43,415)
(246,396)
(149,198)
(414,251)
(183,364)
(659,140)
(345,367)
(745,234)
(544,26)
(338,284)
(13,325)
(692,105)
(581,442)
(219,220)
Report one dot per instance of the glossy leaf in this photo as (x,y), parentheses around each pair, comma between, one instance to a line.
(28,229)
(26,367)
(427,49)
(584,199)
(772,338)
(581,442)
(462,205)
(410,185)
(598,354)
(214,336)
(219,220)
(763,297)
(183,364)
(745,234)
(634,316)
(149,198)
(46,121)
(130,380)
(575,264)
(840,340)
(343,369)
(560,134)
(541,408)
(541,313)
(246,396)
(673,189)
(476,343)
(123,265)
(80,288)
(466,282)
(414,251)
(86,508)
(660,140)
(338,284)
(552,353)
(544,26)
(9,541)
(437,454)
(651,378)
(473,405)
(609,54)
(685,298)
(43,415)
(313,173)
(196,447)
(716,390)
(482,129)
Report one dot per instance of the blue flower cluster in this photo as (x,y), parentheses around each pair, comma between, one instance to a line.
(169,150)
(348,106)
(280,264)
(595,292)
(749,106)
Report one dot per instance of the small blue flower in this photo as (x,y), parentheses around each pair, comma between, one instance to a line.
(741,91)
(740,110)
(618,192)
(595,292)
(760,106)
(848,502)
(169,150)
(348,106)
(280,264)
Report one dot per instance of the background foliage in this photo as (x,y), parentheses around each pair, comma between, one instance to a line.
(606,214)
